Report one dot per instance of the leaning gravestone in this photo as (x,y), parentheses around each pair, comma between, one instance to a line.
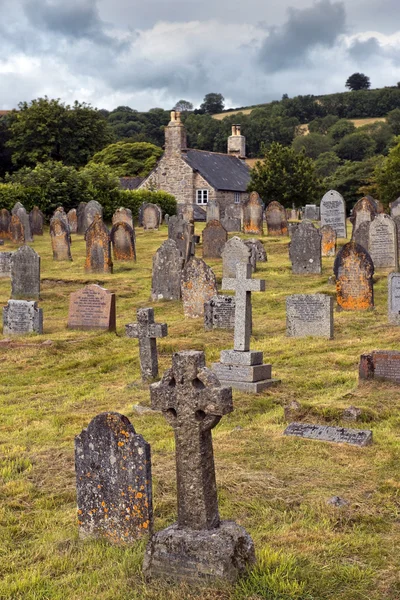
(257,249)
(305,250)
(167,271)
(235,251)
(21,317)
(213,212)
(98,247)
(214,239)
(382,245)
(146,331)
(24,218)
(60,239)
(25,273)
(354,271)
(325,433)
(394,298)
(333,212)
(328,241)
(17,230)
(122,215)
(361,235)
(36,221)
(309,315)
(364,210)
(5,264)
(275,215)
(90,211)
(253,215)
(311,212)
(199,547)
(80,215)
(198,285)
(5,222)
(151,217)
(182,233)
(113,481)
(219,313)
(72,220)
(122,237)
(92,307)
(395,208)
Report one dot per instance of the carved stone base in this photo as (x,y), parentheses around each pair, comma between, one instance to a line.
(199,556)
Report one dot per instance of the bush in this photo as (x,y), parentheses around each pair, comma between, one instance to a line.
(129,159)
(101,184)
(11,193)
(132,199)
(356,146)
(313,144)
(340,129)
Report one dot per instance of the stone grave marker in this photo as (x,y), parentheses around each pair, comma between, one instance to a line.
(199,547)
(231,224)
(328,241)
(167,271)
(364,210)
(333,213)
(257,249)
(305,250)
(141,210)
(380,364)
(309,315)
(214,239)
(151,217)
(394,298)
(24,218)
(21,317)
(198,285)
(354,271)
(122,237)
(17,230)
(98,248)
(146,331)
(325,433)
(186,211)
(25,273)
(294,214)
(361,235)
(80,215)
(235,251)
(382,244)
(60,239)
(5,264)
(92,307)
(182,233)
(113,481)
(275,215)
(90,211)
(253,215)
(213,212)
(16,207)
(311,212)
(60,214)
(395,208)
(72,220)
(166,218)
(36,221)
(219,313)
(5,222)
(123,215)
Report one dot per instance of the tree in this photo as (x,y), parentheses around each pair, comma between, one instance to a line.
(213,103)
(326,164)
(381,133)
(353,179)
(285,176)
(393,120)
(355,146)
(312,145)
(341,128)
(183,106)
(388,175)
(5,153)
(322,124)
(358,81)
(127,159)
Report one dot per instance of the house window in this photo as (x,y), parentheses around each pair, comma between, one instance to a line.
(202,196)
(237,197)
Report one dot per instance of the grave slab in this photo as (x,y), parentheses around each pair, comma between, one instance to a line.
(325,433)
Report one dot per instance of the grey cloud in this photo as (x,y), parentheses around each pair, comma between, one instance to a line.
(287,46)
(363,51)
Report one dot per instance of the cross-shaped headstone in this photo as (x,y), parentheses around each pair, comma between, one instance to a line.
(147,331)
(193,402)
(243,285)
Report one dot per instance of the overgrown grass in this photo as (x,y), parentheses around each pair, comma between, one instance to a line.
(276,487)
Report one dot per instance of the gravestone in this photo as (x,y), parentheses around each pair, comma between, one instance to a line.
(395,208)
(364,210)
(21,317)
(253,215)
(36,221)
(122,215)
(5,222)
(60,239)
(16,207)
(72,220)
(361,235)
(17,230)
(60,214)
(186,211)
(5,264)
(80,215)
(231,224)
(25,273)
(241,368)
(92,307)
(354,271)
(151,217)
(275,216)
(219,313)
(90,211)
(311,212)
(309,315)
(382,244)
(394,298)
(182,233)
(294,214)
(98,247)
(328,241)
(380,364)
(141,210)
(214,239)
(167,271)
(305,250)
(113,481)
(198,285)
(166,218)
(24,218)
(213,212)
(199,547)
(257,249)
(235,251)
(146,331)
(325,433)
(122,237)
(333,213)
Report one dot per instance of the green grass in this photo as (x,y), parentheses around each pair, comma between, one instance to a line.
(276,487)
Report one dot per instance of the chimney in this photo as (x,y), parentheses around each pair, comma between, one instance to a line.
(175,135)
(237,143)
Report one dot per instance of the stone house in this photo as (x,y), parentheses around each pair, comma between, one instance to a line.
(195,176)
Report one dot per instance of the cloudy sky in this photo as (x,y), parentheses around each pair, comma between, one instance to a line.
(148,53)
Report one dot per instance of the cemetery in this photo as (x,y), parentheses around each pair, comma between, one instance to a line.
(183,417)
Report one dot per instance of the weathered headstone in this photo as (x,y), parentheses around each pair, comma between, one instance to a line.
(309,315)
(5,264)
(328,241)
(80,215)
(257,248)
(198,285)
(231,224)
(253,215)
(235,251)
(181,232)
(364,210)
(167,271)
(213,212)
(219,313)
(382,245)
(333,213)
(92,307)
(60,239)
(394,298)
(311,212)
(122,237)
(5,222)
(123,215)
(354,271)
(380,364)
(214,239)
(90,211)
(72,220)
(16,207)
(25,273)
(294,214)
(361,235)
(395,208)
(113,481)
(305,250)
(60,214)
(24,218)
(151,217)
(186,211)
(17,230)
(21,317)
(325,433)
(199,547)
(98,247)
(275,216)
(36,221)
(146,331)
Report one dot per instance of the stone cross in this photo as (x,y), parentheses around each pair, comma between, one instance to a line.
(243,285)
(193,402)
(147,331)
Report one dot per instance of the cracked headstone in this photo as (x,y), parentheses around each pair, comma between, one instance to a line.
(146,331)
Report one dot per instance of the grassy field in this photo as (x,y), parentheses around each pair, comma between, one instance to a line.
(276,487)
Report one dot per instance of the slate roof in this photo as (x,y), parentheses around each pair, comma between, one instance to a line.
(222,171)
(130,183)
